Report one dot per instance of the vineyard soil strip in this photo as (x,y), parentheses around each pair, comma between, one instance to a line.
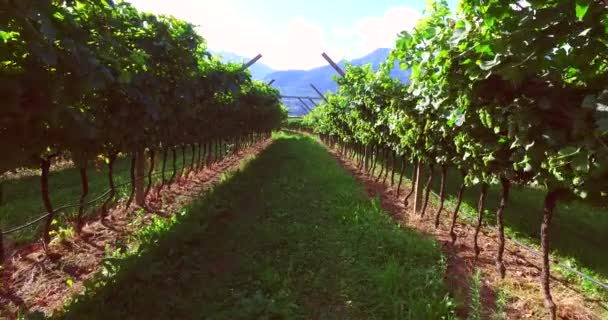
(538,254)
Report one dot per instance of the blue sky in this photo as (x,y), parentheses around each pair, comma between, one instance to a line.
(291,34)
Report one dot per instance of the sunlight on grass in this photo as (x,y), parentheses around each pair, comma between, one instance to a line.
(290,236)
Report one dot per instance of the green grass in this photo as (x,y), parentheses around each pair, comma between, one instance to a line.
(291,235)
(295,124)
(475,306)
(23,201)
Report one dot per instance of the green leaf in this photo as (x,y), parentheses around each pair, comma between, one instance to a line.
(58,16)
(5,36)
(581,8)
(484,49)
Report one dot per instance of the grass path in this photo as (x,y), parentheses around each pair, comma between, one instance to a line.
(290,236)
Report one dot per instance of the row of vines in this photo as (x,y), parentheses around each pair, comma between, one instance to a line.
(504,92)
(90,79)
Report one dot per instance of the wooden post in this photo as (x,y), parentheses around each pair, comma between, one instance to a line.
(418,187)
(251,62)
(333,64)
(140,168)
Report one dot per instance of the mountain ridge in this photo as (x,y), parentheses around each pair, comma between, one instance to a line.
(297,82)
(258,70)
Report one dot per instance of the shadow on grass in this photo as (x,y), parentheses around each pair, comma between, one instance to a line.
(289,236)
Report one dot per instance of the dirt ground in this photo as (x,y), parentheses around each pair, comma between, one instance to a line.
(522,282)
(36,278)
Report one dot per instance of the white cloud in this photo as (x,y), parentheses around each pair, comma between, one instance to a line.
(381,32)
(298,46)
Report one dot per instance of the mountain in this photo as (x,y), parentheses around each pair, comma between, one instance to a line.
(297,82)
(258,70)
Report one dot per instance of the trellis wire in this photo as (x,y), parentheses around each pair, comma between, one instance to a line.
(63,208)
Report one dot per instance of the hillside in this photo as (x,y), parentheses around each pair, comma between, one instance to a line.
(297,82)
(258,70)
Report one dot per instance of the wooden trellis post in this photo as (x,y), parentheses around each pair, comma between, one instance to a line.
(333,64)
(251,62)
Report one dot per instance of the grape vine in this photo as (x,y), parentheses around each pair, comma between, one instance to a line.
(504,92)
(98,78)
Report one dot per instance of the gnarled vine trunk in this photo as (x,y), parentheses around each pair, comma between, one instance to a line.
(444,173)
(132,176)
(174,173)
(548,210)
(199,160)
(429,185)
(152,154)
(193,158)
(45,166)
(480,210)
(393,166)
(401,177)
(378,154)
(183,168)
(163,169)
(387,155)
(216,156)
(365,158)
(84,191)
(207,154)
(104,207)
(506,186)
(456,210)
(412,189)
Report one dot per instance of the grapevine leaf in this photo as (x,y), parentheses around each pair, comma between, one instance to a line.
(581,8)
(5,36)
